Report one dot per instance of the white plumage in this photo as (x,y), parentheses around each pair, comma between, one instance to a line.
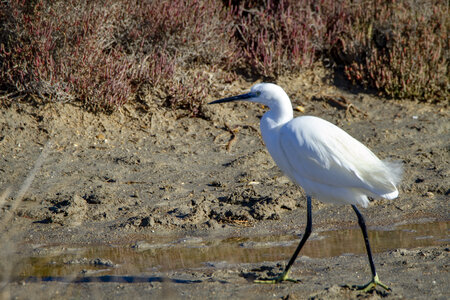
(330,164)
(326,161)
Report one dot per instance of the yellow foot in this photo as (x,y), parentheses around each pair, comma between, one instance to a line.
(282,277)
(371,285)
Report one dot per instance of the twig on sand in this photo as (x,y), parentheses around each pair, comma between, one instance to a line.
(233,137)
(233,131)
(342,103)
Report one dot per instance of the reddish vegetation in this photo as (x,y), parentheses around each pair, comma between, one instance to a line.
(104,53)
(403,50)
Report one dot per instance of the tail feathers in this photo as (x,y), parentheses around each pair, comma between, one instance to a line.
(390,196)
(383,180)
(395,170)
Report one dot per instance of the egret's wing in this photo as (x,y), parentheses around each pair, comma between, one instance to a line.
(321,152)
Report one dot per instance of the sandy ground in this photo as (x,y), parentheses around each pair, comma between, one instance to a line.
(148,173)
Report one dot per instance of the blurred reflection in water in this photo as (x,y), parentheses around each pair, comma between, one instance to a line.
(165,255)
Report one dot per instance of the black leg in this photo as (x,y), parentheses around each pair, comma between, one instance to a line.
(375,281)
(306,235)
(362,224)
(308,230)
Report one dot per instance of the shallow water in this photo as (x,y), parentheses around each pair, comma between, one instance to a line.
(194,252)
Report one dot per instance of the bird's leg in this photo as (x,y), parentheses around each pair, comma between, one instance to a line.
(308,230)
(375,281)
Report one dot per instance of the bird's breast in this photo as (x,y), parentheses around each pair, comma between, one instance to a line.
(271,138)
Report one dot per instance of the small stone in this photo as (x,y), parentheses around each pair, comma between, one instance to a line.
(429,194)
(300,108)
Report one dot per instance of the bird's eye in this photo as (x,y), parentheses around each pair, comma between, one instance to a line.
(258,93)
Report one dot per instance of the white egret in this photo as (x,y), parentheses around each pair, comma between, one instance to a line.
(327,162)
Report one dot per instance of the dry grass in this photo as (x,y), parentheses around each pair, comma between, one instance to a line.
(7,232)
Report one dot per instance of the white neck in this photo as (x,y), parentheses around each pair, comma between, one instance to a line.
(277,116)
(279,113)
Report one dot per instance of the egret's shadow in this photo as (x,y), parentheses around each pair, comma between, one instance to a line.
(109,278)
(263,272)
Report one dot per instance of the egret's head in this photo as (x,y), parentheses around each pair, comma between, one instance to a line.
(268,94)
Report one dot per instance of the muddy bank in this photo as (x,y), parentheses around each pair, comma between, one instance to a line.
(156,173)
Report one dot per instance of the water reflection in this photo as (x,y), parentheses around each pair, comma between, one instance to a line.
(196,252)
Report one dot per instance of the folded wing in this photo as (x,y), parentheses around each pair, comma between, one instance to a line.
(322,152)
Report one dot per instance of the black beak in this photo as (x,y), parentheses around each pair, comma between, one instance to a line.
(234,98)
